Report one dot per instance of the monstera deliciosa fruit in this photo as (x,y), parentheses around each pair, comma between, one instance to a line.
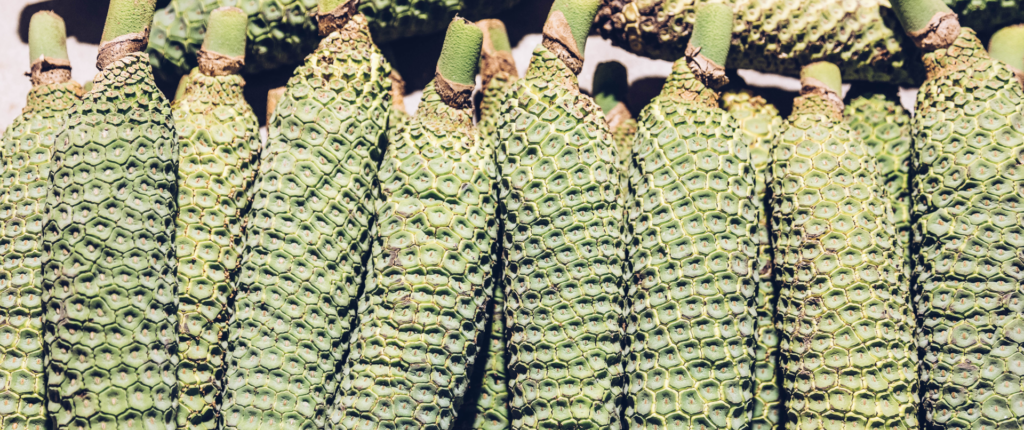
(281,32)
(219,142)
(25,158)
(965,215)
(564,250)
(415,345)
(691,321)
(848,356)
(307,237)
(759,122)
(111,280)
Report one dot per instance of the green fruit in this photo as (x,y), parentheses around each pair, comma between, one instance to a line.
(984,15)
(219,142)
(691,318)
(110,284)
(846,327)
(424,306)
(759,122)
(307,237)
(776,36)
(486,404)
(281,32)
(966,218)
(880,122)
(26,147)
(564,250)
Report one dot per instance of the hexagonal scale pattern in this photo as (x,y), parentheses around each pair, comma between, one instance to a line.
(563,273)
(423,309)
(759,122)
(25,165)
(307,236)
(967,216)
(691,322)
(846,327)
(220,147)
(110,283)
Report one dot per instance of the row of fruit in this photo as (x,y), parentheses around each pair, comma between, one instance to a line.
(553,264)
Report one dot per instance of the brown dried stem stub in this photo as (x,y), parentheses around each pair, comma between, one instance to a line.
(810,85)
(454,94)
(397,89)
(941,31)
(48,71)
(494,62)
(335,20)
(618,115)
(559,40)
(122,45)
(711,74)
(216,64)
(1019,74)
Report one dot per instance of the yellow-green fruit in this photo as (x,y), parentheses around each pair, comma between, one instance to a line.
(846,327)
(564,252)
(884,126)
(966,218)
(691,321)
(110,286)
(777,36)
(759,122)
(25,165)
(987,15)
(415,347)
(219,143)
(307,237)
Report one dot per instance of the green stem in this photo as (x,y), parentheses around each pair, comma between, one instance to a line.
(916,14)
(460,56)
(497,34)
(611,85)
(824,72)
(580,16)
(712,32)
(326,6)
(225,32)
(127,17)
(47,37)
(1007,45)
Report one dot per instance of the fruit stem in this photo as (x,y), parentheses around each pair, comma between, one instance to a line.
(455,77)
(566,30)
(496,52)
(611,85)
(327,6)
(712,33)
(47,37)
(1007,45)
(822,75)
(225,32)
(126,17)
(930,23)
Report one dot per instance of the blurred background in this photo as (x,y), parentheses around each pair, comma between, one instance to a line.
(413,57)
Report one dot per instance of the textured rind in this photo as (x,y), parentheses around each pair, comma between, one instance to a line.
(884,127)
(110,283)
(759,123)
(24,171)
(424,307)
(777,36)
(563,280)
(846,326)
(218,136)
(623,136)
(491,411)
(987,15)
(307,237)
(691,320)
(281,32)
(966,220)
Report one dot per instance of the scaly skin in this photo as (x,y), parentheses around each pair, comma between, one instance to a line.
(759,122)
(987,15)
(847,331)
(110,284)
(777,36)
(25,156)
(282,31)
(220,147)
(884,127)
(308,236)
(965,214)
(690,323)
(432,261)
(563,280)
